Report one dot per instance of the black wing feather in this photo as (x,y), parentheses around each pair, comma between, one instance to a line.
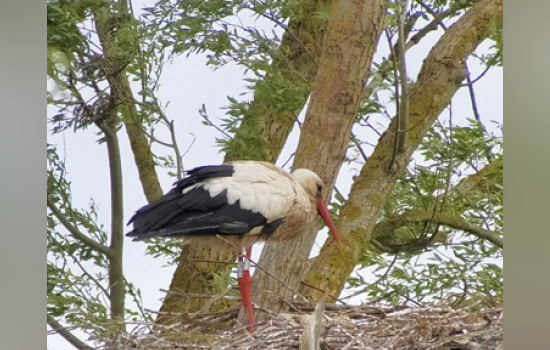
(195,213)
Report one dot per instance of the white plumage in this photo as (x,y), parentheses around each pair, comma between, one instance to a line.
(260,188)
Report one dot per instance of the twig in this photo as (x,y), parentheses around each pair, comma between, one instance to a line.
(190,145)
(90,243)
(200,296)
(490,64)
(98,284)
(170,125)
(213,262)
(288,160)
(320,290)
(211,301)
(207,119)
(179,163)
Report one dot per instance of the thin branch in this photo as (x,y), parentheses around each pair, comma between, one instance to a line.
(190,145)
(472,93)
(434,14)
(450,166)
(404,98)
(211,301)
(397,97)
(289,31)
(75,232)
(288,160)
(428,28)
(415,39)
(357,143)
(116,276)
(67,335)
(179,163)
(223,296)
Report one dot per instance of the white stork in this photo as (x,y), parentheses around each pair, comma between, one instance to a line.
(242,201)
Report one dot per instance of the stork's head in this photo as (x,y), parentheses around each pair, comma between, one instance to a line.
(314,187)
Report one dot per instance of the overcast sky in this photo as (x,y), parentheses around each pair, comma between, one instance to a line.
(187,84)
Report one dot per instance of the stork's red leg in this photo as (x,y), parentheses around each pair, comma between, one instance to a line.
(244,280)
(248,291)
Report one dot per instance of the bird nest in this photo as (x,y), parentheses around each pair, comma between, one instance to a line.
(333,327)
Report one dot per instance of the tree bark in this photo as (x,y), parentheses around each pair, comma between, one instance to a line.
(440,77)
(352,35)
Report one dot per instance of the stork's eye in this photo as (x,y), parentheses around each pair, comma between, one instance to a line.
(319,188)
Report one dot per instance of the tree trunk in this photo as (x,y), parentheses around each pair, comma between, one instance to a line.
(352,35)
(268,122)
(194,275)
(439,79)
(266,126)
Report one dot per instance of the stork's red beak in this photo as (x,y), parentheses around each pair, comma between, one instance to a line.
(323,211)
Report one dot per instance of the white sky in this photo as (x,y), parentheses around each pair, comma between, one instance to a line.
(187,84)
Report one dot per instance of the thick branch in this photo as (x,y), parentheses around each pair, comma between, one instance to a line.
(388,226)
(67,335)
(75,232)
(440,77)
(124,100)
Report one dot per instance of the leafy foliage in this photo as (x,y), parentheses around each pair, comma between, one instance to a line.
(429,263)
(77,274)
